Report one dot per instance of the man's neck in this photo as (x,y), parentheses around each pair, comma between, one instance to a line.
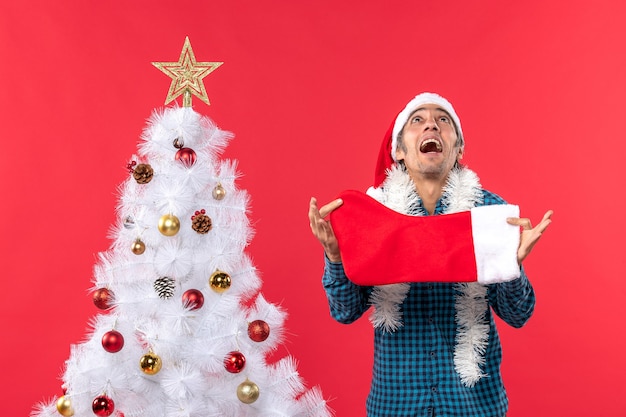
(430,191)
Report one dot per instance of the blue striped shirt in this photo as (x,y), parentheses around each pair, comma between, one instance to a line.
(413,373)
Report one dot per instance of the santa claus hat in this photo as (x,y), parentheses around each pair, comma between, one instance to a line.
(387,154)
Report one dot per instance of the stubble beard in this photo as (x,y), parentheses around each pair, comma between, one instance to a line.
(433,172)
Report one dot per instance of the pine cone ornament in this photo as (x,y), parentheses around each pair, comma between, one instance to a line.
(143,173)
(201,223)
(164,287)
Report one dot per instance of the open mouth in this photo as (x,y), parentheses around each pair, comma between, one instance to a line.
(431,145)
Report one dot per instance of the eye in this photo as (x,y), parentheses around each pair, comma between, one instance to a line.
(444,119)
(416,119)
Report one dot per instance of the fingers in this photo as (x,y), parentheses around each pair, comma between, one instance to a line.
(545,222)
(530,236)
(330,207)
(313,211)
(516,221)
(322,229)
(548,215)
(526,224)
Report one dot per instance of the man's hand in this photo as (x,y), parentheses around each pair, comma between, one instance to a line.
(530,236)
(322,229)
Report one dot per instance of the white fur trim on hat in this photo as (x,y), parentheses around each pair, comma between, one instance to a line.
(420,100)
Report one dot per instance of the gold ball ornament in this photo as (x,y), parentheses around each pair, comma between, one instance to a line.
(169,225)
(219,192)
(248,392)
(64,406)
(138,247)
(220,281)
(150,363)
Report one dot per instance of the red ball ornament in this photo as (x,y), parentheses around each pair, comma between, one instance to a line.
(131,166)
(112,341)
(234,362)
(193,299)
(103,406)
(187,156)
(258,330)
(103,298)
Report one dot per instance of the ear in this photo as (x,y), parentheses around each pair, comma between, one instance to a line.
(459,156)
(400,154)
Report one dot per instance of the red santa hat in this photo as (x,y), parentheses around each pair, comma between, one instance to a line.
(387,154)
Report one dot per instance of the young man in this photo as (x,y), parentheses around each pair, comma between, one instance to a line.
(436,348)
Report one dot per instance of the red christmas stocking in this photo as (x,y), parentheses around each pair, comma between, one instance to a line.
(380,246)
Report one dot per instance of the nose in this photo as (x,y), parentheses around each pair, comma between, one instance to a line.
(430,123)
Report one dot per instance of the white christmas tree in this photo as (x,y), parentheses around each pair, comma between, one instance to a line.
(184,330)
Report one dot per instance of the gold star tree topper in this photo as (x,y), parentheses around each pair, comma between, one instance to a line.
(187,75)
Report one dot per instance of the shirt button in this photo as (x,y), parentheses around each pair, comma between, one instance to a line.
(431,320)
(434,389)
(433,354)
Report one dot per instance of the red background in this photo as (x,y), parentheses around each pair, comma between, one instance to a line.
(309,88)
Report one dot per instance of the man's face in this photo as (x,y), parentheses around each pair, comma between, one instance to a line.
(428,146)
